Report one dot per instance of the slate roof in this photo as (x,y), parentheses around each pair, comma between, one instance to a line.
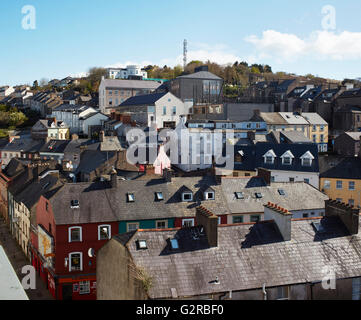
(350,93)
(99,202)
(247,256)
(293,136)
(206,75)
(146,99)
(253,156)
(298,195)
(90,160)
(314,118)
(333,166)
(30,195)
(283,86)
(324,94)
(312,93)
(354,135)
(127,84)
(14,167)
(271,118)
(74,146)
(23,144)
(55,146)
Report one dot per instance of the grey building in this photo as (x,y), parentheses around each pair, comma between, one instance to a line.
(201,86)
(279,259)
(348,144)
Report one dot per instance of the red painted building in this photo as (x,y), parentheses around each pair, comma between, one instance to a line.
(64,255)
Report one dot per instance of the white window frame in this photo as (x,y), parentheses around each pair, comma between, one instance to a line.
(81,261)
(337,188)
(188,220)
(349,184)
(187,193)
(110,231)
(69,234)
(326,184)
(206,195)
(165,226)
(128,223)
(307,165)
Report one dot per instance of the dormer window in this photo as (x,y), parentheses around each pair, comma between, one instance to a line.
(209,194)
(269,157)
(307,159)
(130,197)
(187,196)
(239,156)
(287,158)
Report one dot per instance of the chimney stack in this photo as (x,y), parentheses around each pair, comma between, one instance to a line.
(282,218)
(101,136)
(348,214)
(114,179)
(167,175)
(257,112)
(209,221)
(265,174)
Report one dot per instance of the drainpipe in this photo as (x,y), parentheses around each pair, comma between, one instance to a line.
(264,292)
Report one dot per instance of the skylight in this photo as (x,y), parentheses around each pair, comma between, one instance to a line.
(142,244)
(174,244)
(74,204)
(239,195)
(131,197)
(258,195)
(281,192)
(159,196)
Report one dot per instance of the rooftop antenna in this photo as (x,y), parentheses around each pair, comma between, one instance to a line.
(185,51)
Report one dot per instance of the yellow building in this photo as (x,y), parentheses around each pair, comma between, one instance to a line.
(340,178)
(318,130)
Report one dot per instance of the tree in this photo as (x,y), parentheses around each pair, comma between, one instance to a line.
(44,82)
(35,85)
(94,77)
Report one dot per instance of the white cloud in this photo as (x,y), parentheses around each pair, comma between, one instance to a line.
(218,53)
(320,44)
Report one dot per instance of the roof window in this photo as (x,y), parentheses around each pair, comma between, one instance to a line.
(74,204)
(130,197)
(239,195)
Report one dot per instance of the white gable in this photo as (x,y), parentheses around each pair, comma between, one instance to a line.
(270,153)
(288,154)
(307,155)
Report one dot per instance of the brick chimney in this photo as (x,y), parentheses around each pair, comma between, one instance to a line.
(209,221)
(348,214)
(282,218)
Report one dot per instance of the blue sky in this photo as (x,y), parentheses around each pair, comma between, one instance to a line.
(73,35)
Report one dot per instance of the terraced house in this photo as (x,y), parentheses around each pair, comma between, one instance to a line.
(340,178)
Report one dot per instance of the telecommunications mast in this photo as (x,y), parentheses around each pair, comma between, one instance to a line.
(185,51)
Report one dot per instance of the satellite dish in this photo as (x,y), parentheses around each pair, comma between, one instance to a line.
(91,253)
(68,165)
